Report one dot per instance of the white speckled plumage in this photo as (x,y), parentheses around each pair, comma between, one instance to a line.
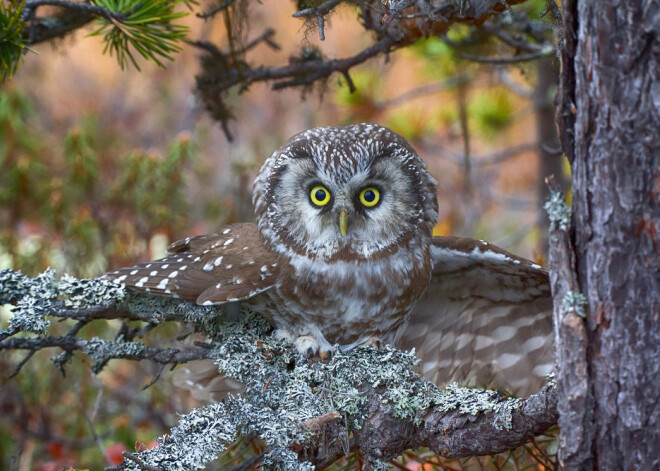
(485,318)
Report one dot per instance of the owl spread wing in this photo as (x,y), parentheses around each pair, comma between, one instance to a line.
(485,319)
(229,265)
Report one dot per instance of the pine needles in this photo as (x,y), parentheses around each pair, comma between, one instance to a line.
(145,27)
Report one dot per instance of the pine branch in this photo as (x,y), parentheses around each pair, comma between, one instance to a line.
(304,411)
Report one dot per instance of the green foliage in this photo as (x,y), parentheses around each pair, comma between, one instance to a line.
(81,202)
(11,41)
(491,111)
(145,27)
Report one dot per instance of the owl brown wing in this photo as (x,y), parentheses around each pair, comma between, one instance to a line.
(485,319)
(229,265)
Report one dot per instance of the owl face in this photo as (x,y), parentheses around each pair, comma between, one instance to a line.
(344,192)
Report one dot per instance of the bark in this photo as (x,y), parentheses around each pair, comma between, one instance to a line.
(550,161)
(609,392)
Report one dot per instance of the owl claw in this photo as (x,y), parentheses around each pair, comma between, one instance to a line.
(309,353)
(376,343)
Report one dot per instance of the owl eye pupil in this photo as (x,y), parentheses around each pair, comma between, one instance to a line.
(320,194)
(369,196)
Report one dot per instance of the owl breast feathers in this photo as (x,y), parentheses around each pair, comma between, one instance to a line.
(343,254)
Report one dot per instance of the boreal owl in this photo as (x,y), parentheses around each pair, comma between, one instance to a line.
(343,254)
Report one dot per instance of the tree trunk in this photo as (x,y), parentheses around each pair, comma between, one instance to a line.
(609,112)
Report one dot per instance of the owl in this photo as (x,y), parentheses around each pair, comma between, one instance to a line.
(343,254)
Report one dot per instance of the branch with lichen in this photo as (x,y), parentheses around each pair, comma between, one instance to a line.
(307,413)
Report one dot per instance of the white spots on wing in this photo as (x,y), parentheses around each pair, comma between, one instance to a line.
(218,260)
(153,273)
(542,370)
(536,266)
(245,248)
(219,285)
(147,265)
(134,272)
(164,267)
(229,266)
(264,268)
(163,283)
(504,333)
(206,251)
(176,296)
(226,231)
(121,278)
(208,267)
(184,267)
(180,259)
(197,259)
(251,262)
(534,343)
(237,281)
(141,282)
(168,291)
(227,242)
(207,303)
(508,360)
(173,274)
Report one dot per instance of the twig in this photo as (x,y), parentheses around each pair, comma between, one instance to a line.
(321,421)
(21,364)
(223,6)
(504,60)
(247,463)
(427,89)
(31,6)
(156,377)
(319,12)
(135,459)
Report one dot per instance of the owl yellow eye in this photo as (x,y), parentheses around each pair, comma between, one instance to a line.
(319,195)
(370,197)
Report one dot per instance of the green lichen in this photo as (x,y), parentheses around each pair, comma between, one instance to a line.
(574,302)
(558,211)
(80,293)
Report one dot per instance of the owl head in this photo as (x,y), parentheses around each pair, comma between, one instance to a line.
(344,193)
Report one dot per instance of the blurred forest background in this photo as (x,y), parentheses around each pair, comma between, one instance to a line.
(102,167)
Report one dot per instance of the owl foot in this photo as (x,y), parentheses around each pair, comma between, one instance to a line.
(310,347)
(375,342)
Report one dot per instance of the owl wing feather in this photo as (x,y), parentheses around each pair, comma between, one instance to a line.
(229,265)
(485,319)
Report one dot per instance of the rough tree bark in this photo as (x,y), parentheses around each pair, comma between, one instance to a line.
(609,112)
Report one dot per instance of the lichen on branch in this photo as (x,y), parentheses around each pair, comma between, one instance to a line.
(308,413)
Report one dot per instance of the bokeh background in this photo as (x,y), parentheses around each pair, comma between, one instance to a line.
(102,167)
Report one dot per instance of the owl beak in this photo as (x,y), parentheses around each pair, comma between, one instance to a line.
(343,222)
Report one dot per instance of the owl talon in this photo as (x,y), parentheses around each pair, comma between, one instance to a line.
(309,353)
(376,343)
(326,355)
